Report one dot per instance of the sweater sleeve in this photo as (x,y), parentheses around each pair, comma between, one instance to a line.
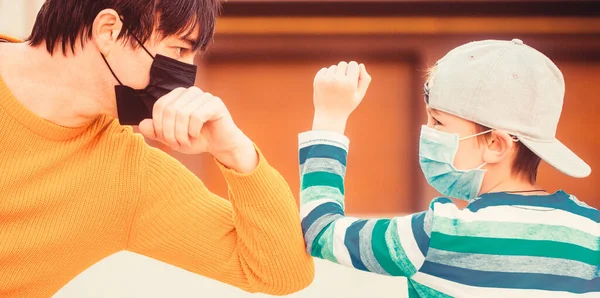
(252,241)
(396,246)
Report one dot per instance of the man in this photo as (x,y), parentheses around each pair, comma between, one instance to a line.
(493,109)
(77,186)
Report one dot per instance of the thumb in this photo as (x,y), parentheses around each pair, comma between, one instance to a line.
(147,129)
(364,79)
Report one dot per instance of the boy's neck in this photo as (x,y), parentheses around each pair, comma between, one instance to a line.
(515,186)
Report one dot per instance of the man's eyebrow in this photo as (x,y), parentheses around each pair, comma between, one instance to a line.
(190,41)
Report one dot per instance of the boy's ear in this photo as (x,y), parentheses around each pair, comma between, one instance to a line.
(498,147)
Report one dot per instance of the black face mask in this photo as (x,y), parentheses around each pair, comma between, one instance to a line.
(166,74)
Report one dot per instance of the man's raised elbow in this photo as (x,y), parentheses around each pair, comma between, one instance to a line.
(291,279)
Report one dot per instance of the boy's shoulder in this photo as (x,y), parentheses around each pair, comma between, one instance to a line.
(502,207)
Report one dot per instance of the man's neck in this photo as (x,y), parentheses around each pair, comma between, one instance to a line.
(65,90)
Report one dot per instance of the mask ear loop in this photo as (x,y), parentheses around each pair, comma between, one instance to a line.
(475,135)
(138,41)
(111,70)
(143,47)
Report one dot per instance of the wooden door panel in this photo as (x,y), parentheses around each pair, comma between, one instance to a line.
(578,129)
(271,100)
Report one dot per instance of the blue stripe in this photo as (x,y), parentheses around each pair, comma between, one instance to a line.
(352,243)
(559,200)
(323,151)
(508,280)
(321,210)
(418,229)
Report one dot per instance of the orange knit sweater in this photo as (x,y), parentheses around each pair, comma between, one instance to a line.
(70,197)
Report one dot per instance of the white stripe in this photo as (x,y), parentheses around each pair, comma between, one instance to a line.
(315,193)
(313,137)
(339,235)
(321,164)
(459,290)
(408,242)
(306,209)
(520,215)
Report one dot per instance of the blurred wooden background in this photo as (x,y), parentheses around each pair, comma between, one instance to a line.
(266,54)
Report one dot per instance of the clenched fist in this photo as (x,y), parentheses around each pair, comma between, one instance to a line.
(338,90)
(192,121)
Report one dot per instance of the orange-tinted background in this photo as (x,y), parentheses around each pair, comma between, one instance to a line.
(263,66)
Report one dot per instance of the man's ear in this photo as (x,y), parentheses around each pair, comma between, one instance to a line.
(498,147)
(106,29)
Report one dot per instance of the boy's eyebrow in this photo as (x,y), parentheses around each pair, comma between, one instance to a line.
(432,111)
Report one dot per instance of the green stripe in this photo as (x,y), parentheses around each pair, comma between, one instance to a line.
(380,248)
(514,247)
(524,231)
(424,291)
(322,246)
(396,249)
(323,179)
(412,293)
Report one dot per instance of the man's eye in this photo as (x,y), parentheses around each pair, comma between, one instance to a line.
(436,122)
(180,51)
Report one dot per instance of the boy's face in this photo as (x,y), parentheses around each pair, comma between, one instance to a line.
(470,152)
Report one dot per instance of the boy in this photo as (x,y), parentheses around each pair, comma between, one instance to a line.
(493,108)
(77,187)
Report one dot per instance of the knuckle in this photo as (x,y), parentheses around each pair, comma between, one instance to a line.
(195,89)
(180,110)
(180,89)
(159,105)
(217,100)
(170,112)
(197,116)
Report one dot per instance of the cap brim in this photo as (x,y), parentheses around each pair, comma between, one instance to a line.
(559,156)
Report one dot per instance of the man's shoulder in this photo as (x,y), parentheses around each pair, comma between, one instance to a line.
(6,38)
(118,137)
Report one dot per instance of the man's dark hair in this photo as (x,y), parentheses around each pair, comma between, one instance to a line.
(63,22)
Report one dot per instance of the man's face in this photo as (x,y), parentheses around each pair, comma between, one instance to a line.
(470,151)
(132,65)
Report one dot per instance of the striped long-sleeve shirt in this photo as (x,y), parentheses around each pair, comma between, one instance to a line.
(501,245)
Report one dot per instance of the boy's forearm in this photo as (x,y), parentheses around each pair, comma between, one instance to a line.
(376,245)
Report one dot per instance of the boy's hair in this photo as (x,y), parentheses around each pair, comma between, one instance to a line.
(62,22)
(526,162)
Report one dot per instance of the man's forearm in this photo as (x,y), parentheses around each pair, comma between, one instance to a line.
(268,228)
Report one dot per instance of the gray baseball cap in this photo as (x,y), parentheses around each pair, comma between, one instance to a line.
(509,86)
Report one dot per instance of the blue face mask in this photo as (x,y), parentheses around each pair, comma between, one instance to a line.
(437,150)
